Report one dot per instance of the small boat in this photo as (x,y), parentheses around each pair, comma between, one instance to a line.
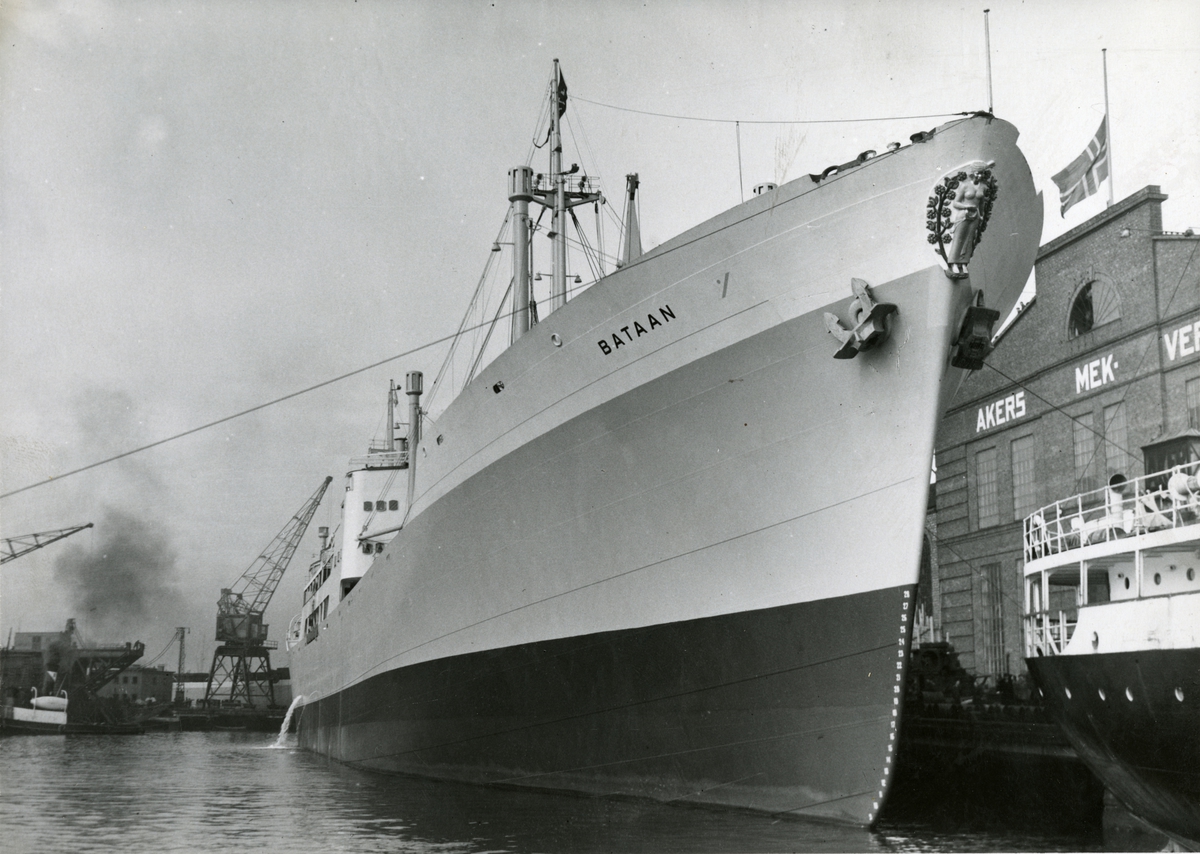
(46,715)
(1112,637)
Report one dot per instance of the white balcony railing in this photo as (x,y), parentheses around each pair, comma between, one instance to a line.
(1121,510)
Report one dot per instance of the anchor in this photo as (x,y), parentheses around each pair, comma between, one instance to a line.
(974,342)
(869,318)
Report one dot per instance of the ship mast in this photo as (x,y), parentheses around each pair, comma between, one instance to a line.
(558,192)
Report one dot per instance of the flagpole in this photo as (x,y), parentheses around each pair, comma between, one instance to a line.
(987,46)
(737,129)
(1107,126)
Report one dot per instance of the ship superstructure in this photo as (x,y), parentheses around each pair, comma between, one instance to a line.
(666,543)
(1112,635)
(374,500)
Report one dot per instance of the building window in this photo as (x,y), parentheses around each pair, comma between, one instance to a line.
(1096,304)
(1084,441)
(1025,500)
(1116,440)
(985,480)
(992,624)
(1192,394)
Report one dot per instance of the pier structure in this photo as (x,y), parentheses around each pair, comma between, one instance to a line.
(1097,377)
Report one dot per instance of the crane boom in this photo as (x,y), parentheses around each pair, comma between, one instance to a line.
(240,608)
(241,667)
(14,547)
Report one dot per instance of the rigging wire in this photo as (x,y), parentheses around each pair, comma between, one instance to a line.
(462,327)
(170,644)
(491,327)
(55,478)
(769,121)
(970,563)
(1101,434)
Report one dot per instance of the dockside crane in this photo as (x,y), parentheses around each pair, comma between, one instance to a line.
(14,547)
(241,667)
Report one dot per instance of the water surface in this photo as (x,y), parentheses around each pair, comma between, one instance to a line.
(237,792)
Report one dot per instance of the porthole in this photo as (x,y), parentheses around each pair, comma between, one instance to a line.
(367,505)
(1128,695)
(1179,694)
(498,387)
(1067,691)
(440,438)
(1158,578)
(393,505)
(556,339)
(1126,583)
(1102,695)
(1191,573)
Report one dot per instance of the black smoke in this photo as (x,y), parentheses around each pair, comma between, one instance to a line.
(124,582)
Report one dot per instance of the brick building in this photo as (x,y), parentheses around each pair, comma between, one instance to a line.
(138,683)
(1104,361)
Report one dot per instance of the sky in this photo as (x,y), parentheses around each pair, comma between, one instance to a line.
(208,206)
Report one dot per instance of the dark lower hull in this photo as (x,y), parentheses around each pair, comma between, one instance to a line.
(791,710)
(1145,744)
(8,726)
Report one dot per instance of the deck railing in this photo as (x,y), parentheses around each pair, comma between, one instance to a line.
(1131,507)
(1048,632)
(382,459)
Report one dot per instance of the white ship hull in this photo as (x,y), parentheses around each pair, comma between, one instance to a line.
(680,566)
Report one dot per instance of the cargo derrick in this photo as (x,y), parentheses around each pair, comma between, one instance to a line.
(241,667)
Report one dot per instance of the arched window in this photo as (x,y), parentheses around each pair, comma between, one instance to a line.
(1094,305)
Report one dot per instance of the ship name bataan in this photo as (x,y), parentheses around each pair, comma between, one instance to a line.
(627,334)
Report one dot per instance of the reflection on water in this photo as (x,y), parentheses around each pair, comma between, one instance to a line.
(230,791)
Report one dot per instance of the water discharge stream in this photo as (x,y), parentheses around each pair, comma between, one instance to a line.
(287,722)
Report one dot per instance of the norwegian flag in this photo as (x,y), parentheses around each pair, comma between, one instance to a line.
(1086,172)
